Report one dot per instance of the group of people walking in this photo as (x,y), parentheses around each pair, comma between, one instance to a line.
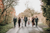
(25,19)
(21,20)
(35,21)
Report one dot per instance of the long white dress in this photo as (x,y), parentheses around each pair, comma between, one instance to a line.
(22,22)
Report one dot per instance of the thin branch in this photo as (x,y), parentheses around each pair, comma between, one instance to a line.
(6,7)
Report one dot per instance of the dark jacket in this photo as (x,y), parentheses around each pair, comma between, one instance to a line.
(19,20)
(15,19)
(25,19)
(32,19)
(36,19)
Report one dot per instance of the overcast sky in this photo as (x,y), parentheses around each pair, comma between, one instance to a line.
(34,4)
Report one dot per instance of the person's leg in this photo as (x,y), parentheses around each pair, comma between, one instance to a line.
(22,24)
(36,24)
(14,24)
(18,24)
(32,24)
(25,23)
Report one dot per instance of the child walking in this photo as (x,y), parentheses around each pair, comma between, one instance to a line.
(29,21)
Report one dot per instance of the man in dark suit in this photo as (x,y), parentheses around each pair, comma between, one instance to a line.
(36,20)
(15,20)
(25,19)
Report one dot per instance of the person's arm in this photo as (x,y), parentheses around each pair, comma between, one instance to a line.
(37,19)
(27,18)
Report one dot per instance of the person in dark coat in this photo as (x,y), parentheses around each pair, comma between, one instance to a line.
(25,19)
(19,21)
(36,20)
(15,20)
(33,21)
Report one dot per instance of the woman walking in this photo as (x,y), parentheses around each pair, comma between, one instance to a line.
(33,21)
(22,21)
(29,21)
(19,20)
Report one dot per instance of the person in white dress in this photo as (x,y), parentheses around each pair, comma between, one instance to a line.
(29,21)
(22,21)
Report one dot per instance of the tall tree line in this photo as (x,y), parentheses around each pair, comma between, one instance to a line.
(46,10)
(8,6)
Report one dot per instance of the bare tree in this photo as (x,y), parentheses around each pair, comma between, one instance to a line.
(8,3)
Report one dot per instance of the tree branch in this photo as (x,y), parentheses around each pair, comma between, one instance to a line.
(7,7)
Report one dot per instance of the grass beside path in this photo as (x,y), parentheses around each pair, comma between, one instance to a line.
(45,28)
(4,29)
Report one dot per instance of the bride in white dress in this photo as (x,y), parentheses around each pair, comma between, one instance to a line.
(22,22)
